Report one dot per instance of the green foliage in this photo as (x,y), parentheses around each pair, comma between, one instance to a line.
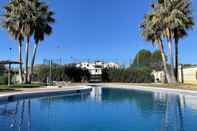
(105,75)
(156,61)
(145,58)
(3,79)
(133,75)
(41,73)
(142,58)
(61,73)
(3,75)
(2,69)
(33,85)
(76,74)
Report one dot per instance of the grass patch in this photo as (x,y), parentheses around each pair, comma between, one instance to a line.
(172,86)
(6,88)
(33,85)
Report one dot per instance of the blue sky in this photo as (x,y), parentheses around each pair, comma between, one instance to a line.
(97,29)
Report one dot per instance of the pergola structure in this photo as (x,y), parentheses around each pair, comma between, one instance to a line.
(9,63)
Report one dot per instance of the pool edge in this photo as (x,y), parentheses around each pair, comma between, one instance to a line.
(42,93)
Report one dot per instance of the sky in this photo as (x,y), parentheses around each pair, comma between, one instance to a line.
(97,29)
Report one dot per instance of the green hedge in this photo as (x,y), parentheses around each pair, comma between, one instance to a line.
(132,75)
(3,79)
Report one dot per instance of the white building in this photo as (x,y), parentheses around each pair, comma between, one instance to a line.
(95,67)
(187,75)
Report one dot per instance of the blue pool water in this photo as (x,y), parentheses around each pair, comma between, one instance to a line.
(102,110)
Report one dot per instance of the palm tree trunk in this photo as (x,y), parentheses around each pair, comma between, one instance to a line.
(27,60)
(171,58)
(33,61)
(21,61)
(169,79)
(176,59)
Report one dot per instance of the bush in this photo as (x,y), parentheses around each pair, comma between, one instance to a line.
(61,73)
(2,70)
(3,79)
(75,74)
(133,75)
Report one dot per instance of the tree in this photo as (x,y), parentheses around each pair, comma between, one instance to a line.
(2,69)
(181,30)
(21,18)
(156,60)
(152,31)
(142,58)
(176,17)
(152,60)
(12,22)
(25,18)
(28,29)
(172,17)
(42,27)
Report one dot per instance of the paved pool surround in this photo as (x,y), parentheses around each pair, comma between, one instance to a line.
(151,89)
(42,92)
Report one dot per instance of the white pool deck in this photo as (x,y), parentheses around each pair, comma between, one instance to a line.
(31,91)
(152,89)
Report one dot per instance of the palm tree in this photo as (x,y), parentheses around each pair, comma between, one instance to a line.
(176,17)
(163,9)
(25,18)
(42,27)
(178,33)
(152,31)
(28,28)
(20,15)
(181,30)
(13,26)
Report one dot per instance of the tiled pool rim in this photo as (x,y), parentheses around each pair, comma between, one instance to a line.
(43,93)
(86,89)
(152,89)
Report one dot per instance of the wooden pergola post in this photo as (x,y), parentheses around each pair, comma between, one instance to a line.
(9,74)
(9,63)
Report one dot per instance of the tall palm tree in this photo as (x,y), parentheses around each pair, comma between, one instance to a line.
(28,28)
(21,15)
(181,30)
(12,23)
(30,17)
(152,31)
(42,27)
(178,34)
(164,11)
(176,15)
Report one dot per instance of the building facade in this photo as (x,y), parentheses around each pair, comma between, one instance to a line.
(187,75)
(95,68)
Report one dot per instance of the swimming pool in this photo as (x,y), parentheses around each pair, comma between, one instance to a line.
(102,109)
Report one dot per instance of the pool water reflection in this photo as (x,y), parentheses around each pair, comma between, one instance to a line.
(103,109)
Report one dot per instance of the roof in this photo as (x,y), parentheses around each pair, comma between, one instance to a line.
(9,62)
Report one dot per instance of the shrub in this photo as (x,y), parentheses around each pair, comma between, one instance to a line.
(133,75)
(61,73)
(3,79)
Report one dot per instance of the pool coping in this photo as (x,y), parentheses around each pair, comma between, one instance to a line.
(150,89)
(42,92)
